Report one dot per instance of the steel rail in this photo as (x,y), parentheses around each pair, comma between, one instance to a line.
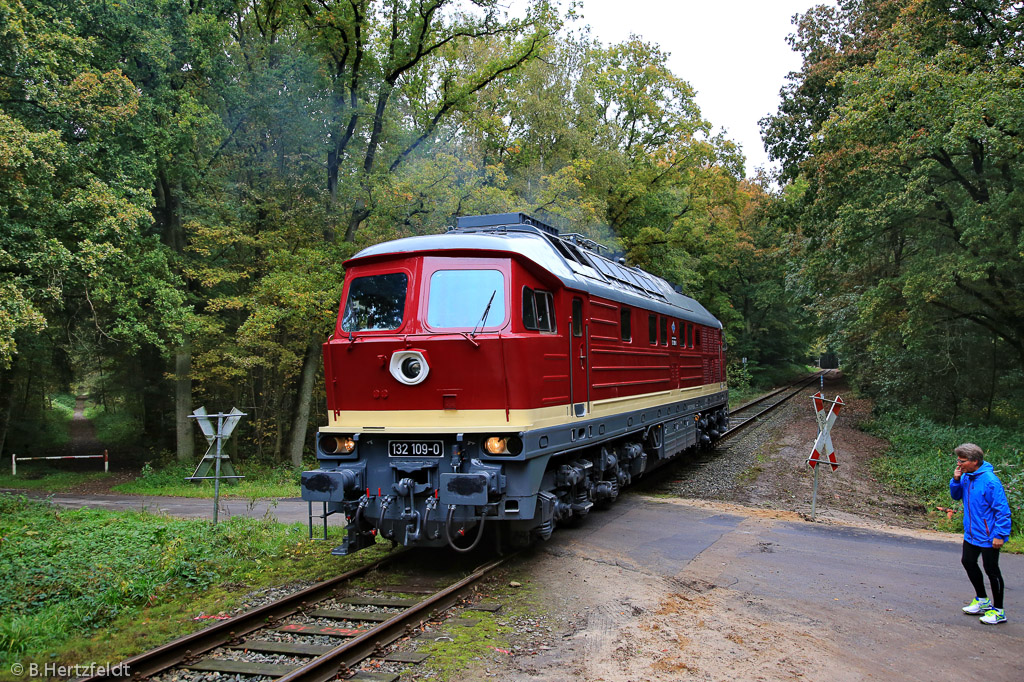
(342,658)
(766,396)
(747,421)
(209,638)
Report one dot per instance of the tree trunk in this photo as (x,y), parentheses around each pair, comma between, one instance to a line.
(359,213)
(6,388)
(183,401)
(168,218)
(302,405)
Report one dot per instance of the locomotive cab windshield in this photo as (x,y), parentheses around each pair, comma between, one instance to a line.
(375,303)
(466,299)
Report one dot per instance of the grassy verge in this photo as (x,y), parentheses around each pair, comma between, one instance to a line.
(82,586)
(259,481)
(920,462)
(745,386)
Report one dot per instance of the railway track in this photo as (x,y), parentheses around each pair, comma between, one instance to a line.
(750,413)
(320,633)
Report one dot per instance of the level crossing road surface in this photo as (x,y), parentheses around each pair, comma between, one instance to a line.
(872,603)
(887,601)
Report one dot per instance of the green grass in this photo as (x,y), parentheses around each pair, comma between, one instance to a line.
(745,386)
(259,481)
(81,586)
(114,428)
(475,649)
(920,463)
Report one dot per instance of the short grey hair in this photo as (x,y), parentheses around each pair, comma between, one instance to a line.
(970,451)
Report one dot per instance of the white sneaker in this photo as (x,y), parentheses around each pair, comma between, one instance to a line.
(993,617)
(978,606)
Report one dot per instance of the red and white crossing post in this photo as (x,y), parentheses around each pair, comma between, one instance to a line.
(823,443)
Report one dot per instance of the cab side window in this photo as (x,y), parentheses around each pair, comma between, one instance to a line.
(538,310)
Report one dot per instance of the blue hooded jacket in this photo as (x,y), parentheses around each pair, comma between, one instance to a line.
(986,511)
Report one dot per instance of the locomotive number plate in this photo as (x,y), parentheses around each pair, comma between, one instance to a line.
(415,448)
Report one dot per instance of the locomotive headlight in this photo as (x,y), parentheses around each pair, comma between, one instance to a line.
(338,445)
(409,367)
(495,445)
(504,445)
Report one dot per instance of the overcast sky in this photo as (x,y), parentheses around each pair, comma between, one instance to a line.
(733,52)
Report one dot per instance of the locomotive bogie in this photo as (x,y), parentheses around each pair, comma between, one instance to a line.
(504,375)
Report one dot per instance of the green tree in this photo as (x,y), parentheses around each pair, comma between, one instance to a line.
(831,40)
(914,222)
(75,248)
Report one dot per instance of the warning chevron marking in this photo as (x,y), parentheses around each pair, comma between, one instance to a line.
(823,444)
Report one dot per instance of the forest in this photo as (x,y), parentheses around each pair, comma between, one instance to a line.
(181,182)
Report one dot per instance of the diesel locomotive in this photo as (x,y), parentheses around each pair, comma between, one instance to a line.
(508,376)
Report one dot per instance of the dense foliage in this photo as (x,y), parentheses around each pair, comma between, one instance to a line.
(920,461)
(180,185)
(904,130)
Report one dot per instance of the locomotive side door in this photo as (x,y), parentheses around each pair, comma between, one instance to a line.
(579,359)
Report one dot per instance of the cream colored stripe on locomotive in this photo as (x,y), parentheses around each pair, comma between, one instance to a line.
(458,421)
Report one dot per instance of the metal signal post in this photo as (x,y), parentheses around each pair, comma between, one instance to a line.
(220,463)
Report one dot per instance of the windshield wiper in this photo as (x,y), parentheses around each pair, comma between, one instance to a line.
(483,320)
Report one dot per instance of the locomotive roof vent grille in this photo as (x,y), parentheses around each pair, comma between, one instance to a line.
(630,278)
(503,220)
(575,248)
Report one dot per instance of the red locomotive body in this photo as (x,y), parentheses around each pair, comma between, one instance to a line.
(502,373)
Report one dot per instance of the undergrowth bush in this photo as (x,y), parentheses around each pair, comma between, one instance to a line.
(168,478)
(116,428)
(63,404)
(920,460)
(45,431)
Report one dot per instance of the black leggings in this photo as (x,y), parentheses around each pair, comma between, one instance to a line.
(990,560)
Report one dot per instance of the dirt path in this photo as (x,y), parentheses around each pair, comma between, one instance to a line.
(83,433)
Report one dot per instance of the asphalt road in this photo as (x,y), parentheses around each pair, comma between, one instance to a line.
(887,601)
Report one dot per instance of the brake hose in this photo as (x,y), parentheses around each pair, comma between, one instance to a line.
(448,531)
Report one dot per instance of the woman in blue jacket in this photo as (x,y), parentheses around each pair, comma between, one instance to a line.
(986,528)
